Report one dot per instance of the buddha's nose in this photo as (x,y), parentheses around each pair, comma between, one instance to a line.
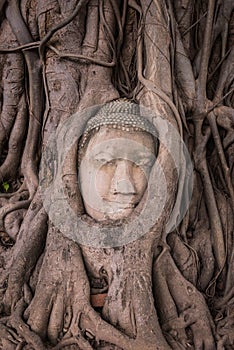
(122,181)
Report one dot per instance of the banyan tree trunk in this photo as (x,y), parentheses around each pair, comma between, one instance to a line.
(165,290)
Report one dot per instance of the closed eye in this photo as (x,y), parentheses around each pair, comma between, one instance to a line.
(105,162)
(103,158)
(145,162)
(109,162)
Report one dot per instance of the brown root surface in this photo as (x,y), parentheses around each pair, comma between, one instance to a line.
(163,291)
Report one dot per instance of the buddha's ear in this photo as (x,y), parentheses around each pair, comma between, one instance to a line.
(70,180)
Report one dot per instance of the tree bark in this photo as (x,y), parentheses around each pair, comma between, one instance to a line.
(165,290)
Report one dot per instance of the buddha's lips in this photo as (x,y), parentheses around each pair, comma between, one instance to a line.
(122,204)
(126,207)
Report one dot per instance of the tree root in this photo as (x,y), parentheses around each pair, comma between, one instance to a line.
(39,319)
(30,159)
(226,71)
(6,209)
(78,340)
(29,46)
(192,310)
(152,86)
(12,92)
(22,329)
(215,222)
(60,310)
(26,260)
(49,35)
(217,140)
(205,54)
(9,168)
(82,57)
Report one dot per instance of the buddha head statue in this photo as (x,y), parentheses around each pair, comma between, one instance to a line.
(116,153)
(103,172)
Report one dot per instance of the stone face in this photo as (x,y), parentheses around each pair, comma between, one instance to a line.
(114,172)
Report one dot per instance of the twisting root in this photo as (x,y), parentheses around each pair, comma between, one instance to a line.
(30,159)
(21,345)
(10,208)
(13,76)
(202,78)
(225,72)
(49,35)
(213,124)
(105,28)
(215,221)
(8,169)
(119,23)
(21,190)
(201,141)
(82,57)
(78,340)
(32,245)
(29,46)
(22,329)
(151,86)
(42,47)
(120,20)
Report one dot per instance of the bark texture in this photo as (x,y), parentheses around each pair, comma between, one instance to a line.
(163,291)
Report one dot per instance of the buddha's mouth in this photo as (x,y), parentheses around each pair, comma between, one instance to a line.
(125,200)
(121,205)
(126,207)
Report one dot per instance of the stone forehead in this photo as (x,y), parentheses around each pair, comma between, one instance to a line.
(120,114)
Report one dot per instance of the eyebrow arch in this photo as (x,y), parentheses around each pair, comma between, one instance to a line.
(103,154)
(146,154)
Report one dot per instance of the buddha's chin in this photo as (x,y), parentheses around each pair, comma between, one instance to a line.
(119,213)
